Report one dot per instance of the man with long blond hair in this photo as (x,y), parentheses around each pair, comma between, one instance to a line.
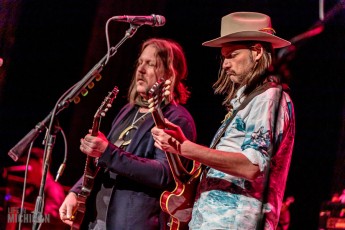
(134,172)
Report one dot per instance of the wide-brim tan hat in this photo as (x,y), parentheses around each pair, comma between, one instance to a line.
(247,26)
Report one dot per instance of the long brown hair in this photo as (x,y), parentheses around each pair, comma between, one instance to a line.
(172,59)
(224,85)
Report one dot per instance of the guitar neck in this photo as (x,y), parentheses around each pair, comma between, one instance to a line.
(158,118)
(95,126)
(91,169)
(174,160)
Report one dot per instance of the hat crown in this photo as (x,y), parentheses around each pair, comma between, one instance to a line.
(245,21)
(247,26)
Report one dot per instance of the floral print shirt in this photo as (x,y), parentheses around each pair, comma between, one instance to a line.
(229,202)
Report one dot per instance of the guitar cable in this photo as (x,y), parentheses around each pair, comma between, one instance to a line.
(63,164)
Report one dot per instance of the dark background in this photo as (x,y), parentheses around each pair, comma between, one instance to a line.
(48,46)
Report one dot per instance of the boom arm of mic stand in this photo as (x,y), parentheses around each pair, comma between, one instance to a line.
(22,146)
(83,83)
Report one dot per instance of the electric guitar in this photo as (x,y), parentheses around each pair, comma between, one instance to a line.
(91,169)
(179,202)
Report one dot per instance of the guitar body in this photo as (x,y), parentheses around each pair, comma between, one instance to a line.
(179,202)
(91,169)
(79,214)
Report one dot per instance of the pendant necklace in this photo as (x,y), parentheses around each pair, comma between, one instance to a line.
(125,132)
(141,117)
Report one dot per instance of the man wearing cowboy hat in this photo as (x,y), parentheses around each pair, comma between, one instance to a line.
(249,158)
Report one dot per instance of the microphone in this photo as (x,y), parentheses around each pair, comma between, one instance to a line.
(152,20)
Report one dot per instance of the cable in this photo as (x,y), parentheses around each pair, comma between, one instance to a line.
(24,187)
(107,39)
(63,164)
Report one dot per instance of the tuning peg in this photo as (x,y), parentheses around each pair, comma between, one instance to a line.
(167,82)
(151,102)
(98,77)
(84,92)
(91,85)
(76,100)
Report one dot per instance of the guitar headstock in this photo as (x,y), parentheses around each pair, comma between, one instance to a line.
(158,93)
(107,102)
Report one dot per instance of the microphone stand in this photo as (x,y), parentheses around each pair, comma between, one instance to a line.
(61,104)
(38,217)
(20,148)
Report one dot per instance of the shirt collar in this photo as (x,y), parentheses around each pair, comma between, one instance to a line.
(237,100)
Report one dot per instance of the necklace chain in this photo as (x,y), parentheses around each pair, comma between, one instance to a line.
(141,117)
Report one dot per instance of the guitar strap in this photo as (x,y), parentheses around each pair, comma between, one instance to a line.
(253,94)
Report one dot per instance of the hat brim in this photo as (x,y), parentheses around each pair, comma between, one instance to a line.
(276,42)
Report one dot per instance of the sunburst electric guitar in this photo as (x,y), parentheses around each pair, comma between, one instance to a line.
(179,202)
(91,169)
